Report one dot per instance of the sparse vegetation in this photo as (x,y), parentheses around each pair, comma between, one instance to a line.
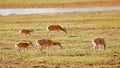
(82,27)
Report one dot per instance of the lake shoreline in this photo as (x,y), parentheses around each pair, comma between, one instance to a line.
(53,10)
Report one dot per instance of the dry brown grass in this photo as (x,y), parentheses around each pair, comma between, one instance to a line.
(56,3)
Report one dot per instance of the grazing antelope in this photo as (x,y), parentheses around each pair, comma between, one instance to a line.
(99,43)
(23,45)
(43,43)
(55,28)
(25,31)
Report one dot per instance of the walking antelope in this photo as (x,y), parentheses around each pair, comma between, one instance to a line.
(25,31)
(99,43)
(55,28)
(23,45)
(43,43)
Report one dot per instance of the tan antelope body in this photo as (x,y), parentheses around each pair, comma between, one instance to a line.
(99,43)
(25,31)
(23,45)
(55,28)
(43,43)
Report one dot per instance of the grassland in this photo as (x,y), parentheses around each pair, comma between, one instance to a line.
(77,50)
(56,3)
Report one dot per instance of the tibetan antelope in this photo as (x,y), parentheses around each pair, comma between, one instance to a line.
(55,28)
(43,43)
(23,45)
(99,43)
(25,31)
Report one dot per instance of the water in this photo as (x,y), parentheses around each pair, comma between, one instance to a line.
(53,10)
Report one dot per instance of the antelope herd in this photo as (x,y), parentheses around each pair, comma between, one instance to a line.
(47,43)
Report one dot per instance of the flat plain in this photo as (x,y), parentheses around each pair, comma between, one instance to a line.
(77,50)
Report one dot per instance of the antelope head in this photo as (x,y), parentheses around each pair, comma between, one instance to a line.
(58,44)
